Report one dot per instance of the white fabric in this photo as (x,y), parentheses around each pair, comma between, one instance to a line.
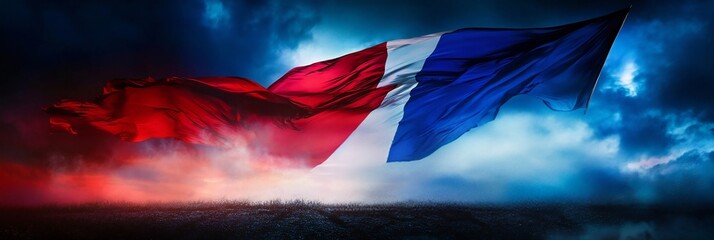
(369,144)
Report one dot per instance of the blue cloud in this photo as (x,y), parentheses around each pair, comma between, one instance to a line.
(215,14)
(654,103)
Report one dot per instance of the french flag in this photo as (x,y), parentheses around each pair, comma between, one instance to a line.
(393,102)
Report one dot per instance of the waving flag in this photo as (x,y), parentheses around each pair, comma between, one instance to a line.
(421,93)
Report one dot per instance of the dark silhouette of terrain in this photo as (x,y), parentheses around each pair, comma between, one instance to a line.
(310,220)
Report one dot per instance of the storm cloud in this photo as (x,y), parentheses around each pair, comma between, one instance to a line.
(647,136)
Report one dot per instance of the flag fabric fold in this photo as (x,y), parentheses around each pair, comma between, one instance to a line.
(413,95)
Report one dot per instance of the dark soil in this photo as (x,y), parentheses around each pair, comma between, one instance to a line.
(308,220)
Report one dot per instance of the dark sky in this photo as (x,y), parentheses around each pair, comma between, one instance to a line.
(647,136)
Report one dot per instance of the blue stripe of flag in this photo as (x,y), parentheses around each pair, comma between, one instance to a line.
(473,72)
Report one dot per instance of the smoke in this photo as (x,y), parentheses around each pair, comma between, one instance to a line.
(93,167)
(647,137)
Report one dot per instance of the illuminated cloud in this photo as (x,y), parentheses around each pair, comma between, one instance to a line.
(626,78)
(323,45)
(648,134)
(215,14)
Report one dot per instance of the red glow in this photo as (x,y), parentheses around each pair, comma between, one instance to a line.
(243,132)
(178,174)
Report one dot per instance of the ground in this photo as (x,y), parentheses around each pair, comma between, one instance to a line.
(310,220)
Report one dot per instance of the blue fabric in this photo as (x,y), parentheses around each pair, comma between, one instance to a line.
(472,72)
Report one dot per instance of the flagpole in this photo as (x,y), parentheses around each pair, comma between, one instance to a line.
(587,104)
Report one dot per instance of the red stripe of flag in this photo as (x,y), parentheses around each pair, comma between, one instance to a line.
(305,115)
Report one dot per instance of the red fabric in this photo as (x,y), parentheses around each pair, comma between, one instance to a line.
(304,116)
